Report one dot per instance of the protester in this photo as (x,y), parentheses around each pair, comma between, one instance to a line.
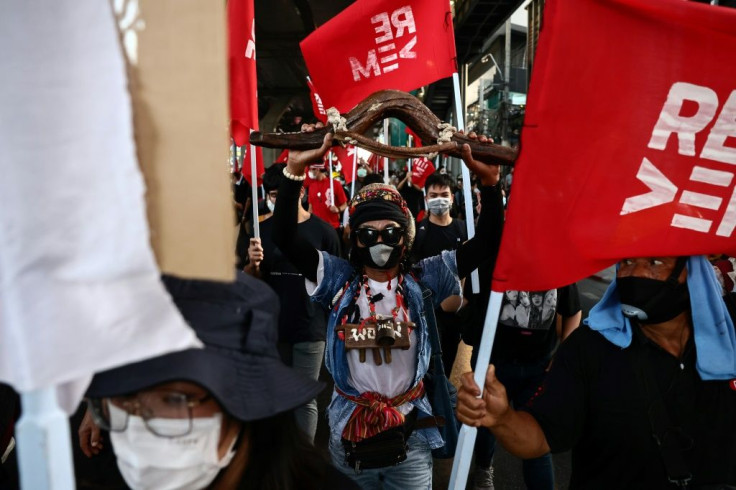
(9,412)
(325,203)
(379,415)
(412,194)
(644,395)
(302,323)
(435,233)
(460,198)
(521,354)
(220,417)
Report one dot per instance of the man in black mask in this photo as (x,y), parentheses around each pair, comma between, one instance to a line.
(644,394)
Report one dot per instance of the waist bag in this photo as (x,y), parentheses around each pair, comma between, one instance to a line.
(387,448)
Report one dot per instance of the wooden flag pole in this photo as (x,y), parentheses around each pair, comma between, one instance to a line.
(466,439)
(44,442)
(474,279)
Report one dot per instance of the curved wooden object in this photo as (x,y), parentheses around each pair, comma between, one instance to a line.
(380,105)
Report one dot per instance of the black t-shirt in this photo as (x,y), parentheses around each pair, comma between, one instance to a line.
(591,403)
(527,323)
(432,239)
(301,319)
(414,198)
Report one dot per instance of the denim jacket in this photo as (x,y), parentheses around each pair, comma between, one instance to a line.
(438,274)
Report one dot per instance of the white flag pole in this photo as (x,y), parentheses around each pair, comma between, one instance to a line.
(254,191)
(409,160)
(355,172)
(475,281)
(332,185)
(386,140)
(466,439)
(44,443)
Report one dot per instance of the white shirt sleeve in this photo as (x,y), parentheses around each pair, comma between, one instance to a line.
(312,286)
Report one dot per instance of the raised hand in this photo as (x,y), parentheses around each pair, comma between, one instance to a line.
(488,174)
(298,160)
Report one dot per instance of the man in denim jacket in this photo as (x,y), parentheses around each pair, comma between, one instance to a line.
(379,391)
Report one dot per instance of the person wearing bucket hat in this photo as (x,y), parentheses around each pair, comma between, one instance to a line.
(218,417)
(382,431)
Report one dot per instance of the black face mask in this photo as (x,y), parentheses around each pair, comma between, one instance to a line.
(379,256)
(651,300)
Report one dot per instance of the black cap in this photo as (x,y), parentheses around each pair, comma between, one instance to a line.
(239,365)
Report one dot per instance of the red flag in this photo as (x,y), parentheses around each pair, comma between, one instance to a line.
(317,106)
(260,169)
(283,157)
(379,44)
(637,157)
(346,155)
(416,140)
(242,62)
(421,168)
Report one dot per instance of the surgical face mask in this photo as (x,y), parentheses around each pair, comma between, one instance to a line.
(147,461)
(312,175)
(270,205)
(380,255)
(651,300)
(362,172)
(439,205)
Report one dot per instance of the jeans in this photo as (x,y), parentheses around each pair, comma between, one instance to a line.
(521,381)
(305,357)
(414,473)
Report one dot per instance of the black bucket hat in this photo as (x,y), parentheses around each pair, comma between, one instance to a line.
(239,365)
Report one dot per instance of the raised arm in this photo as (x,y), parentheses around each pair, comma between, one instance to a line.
(285,235)
(487,239)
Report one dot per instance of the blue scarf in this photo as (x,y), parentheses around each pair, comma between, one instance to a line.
(715,338)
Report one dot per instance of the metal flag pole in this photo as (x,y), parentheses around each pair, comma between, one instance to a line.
(385,159)
(44,442)
(474,279)
(332,186)
(466,439)
(355,172)
(254,191)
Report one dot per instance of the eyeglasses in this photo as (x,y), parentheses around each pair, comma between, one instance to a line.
(156,408)
(391,235)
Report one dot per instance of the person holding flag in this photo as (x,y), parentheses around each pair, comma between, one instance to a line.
(644,394)
(326,196)
(381,425)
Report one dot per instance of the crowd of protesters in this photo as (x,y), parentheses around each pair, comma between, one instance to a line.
(354,282)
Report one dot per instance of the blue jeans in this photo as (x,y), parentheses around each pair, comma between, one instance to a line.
(521,381)
(305,357)
(414,473)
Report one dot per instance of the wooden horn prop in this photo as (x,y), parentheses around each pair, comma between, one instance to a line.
(438,137)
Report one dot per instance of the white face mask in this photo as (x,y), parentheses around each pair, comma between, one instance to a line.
(148,461)
(439,205)
(270,205)
(312,175)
